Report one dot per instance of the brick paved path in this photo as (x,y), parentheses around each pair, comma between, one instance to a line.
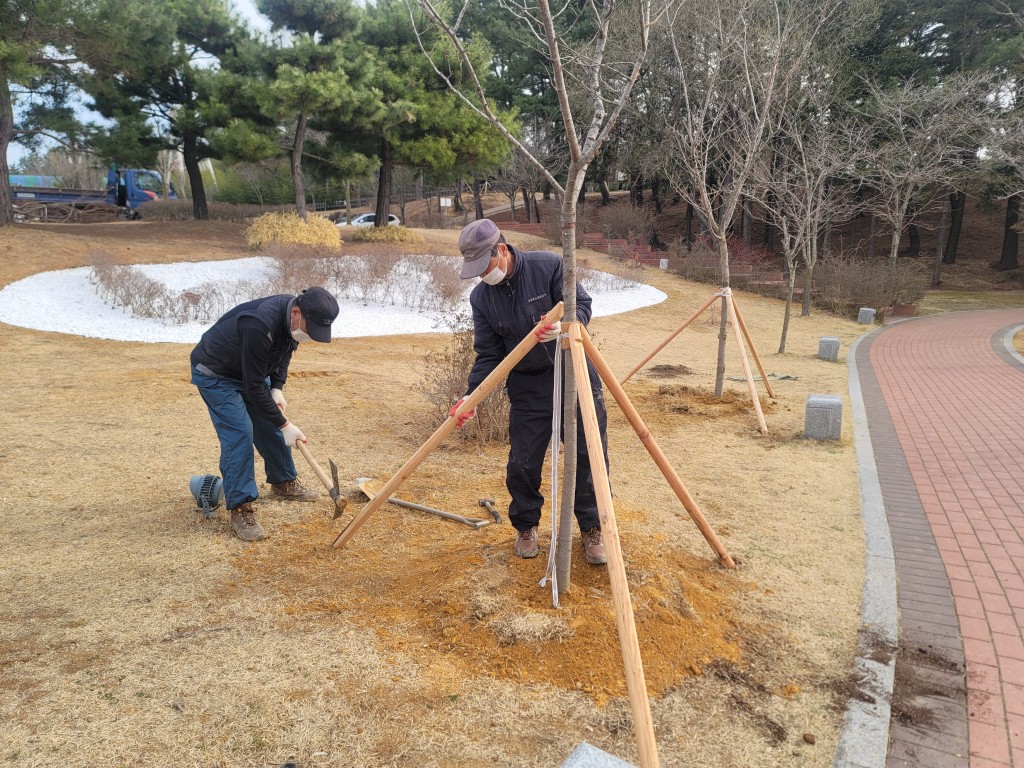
(945,406)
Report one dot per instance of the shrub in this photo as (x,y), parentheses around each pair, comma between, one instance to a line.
(443,383)
(845,283)
(383,235)
(126,286)
(181,210)
(300,266)
(627,222)
(288,227)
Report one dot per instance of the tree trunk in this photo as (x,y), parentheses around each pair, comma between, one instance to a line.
(940,250)
(348,203)
(957,206)
(536,209)
(6,136)
(636,191)
(297,181)
(512,203)
(871,238)
(574,182)
(526,204)
(606,195)
(915,241)
(656,187)
(190,151)
(805,304)
(747,227)
(689,226)
(478,201)
(789,303)
(387,167)
(723,325)
(1009,255)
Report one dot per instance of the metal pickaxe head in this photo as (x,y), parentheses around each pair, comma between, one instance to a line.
(488,504)
(340,502)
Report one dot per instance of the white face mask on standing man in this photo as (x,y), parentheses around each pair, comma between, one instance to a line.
(496,275)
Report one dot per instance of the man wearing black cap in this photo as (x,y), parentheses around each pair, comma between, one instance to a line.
(517,290)
(240,366)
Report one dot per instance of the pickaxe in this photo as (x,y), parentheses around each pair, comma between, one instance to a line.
(332,488)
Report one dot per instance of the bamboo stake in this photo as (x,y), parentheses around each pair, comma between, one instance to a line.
(753,349)
(675,333)
(746,363)
(633,417)
(635,683)
(493,379)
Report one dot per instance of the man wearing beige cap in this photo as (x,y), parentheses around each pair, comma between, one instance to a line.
(517,289)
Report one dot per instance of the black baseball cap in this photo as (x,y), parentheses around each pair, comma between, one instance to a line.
(320,309)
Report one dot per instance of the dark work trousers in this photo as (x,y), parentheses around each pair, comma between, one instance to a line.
(530,435)
(238,429)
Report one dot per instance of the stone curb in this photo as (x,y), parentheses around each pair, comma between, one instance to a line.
(864,735)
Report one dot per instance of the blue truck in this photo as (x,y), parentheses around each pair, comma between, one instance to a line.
(126,190)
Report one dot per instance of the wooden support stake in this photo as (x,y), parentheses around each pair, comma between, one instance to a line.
(753,349)
(635,683)
(755,399)
(633,417)
(493,379)
(675,333)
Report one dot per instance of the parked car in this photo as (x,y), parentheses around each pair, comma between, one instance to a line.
(368,219)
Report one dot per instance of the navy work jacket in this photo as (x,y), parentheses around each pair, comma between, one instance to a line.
(504,314)
(250,343)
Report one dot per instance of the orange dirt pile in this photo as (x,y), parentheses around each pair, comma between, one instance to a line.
(463,595)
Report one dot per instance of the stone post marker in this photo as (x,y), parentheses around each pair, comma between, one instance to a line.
(823,419)
(828,348)
(866,316)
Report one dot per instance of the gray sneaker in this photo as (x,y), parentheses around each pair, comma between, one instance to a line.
(243,523)
(292,490)
(526,543)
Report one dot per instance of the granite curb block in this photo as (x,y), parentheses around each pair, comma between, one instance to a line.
(586,755)
(1008,343)
(864,734)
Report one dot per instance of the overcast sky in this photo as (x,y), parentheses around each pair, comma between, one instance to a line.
(245,8)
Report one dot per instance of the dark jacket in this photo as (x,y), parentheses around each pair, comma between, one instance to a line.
(504,314)
(248,344)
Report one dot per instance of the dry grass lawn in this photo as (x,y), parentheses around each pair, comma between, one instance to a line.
(138,633)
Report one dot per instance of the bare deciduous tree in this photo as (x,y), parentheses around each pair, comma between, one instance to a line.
(923,133)
(802,183)
(725,68)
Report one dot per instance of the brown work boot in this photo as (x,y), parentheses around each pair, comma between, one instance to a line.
(593,547)
(243,523)
(526,543)
(293,490)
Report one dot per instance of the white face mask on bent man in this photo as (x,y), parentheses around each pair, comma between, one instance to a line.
(300,335)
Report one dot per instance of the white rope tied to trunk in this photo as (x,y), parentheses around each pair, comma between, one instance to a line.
(556,439)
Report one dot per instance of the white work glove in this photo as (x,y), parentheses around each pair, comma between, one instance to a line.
(278,397)
(292,434)
(462,419)
(548,332)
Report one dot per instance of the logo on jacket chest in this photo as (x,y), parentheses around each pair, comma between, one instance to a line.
(538,297)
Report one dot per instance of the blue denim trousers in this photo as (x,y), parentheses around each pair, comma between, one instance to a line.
(239,429)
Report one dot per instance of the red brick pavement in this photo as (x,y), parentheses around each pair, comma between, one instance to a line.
(956,402)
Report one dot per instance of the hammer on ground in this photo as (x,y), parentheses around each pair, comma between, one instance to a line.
(488,504)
